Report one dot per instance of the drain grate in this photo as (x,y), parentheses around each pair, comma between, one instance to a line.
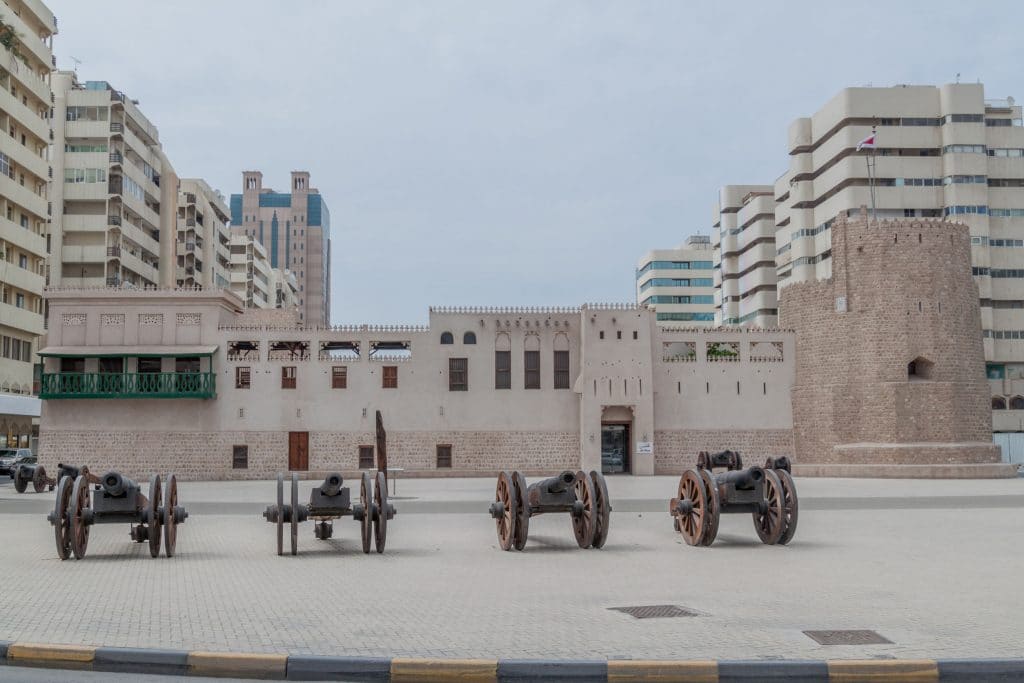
(854,637)
(657,611)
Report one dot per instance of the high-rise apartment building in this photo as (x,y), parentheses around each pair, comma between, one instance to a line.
(295,229)
(25,69)
(204,237)
(252,278)
(678,284)
(115,195)
(743,240)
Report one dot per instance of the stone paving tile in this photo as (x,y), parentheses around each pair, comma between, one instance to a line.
(939,583)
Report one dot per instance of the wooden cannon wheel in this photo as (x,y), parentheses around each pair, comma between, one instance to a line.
(366,499)
(20,480)
(603,511)
(295,513)
(714,510)
(504,493)
(61,520)
(280,513)
(39,480)
(771,525)
(380,520)
(80,504)
(170,521)
(790,505)
(583,524)
(693,520)
(154,516)
(522,527)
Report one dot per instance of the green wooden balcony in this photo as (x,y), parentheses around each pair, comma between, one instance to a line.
(128,385)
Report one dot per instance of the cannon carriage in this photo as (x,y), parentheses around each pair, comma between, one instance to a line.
(329,501)
(118,499)
(767,493)
(584,496)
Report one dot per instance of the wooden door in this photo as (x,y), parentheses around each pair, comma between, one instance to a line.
(298,451)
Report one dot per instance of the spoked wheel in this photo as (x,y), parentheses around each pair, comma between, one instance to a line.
(170,511)
(790,506)
(583,524)
(604,510)
(505,494)
(295,514)
(61,521)
(80,504)
(772,523)
(691,507)
(20,481)
(280,513)
(366,498)
(714,508)
(39,479)
(155,514)
(380,522)
(522,529)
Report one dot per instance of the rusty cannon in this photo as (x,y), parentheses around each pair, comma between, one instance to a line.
(329,501)
(767,493)
(37,476)
(117,499)
(584,496)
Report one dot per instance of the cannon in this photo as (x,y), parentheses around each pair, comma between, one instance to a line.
(768,493)
(330,501)
(584,496)
(36,475)
(117,499)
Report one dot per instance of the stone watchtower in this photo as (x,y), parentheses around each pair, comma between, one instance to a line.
(890,366)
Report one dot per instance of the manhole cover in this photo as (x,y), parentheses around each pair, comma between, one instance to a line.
(657,611)
(855,637)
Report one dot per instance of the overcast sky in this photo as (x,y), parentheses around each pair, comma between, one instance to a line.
(524,153)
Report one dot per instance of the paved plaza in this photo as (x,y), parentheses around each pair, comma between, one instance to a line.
(933,566)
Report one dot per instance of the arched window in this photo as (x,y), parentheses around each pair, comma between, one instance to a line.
(502,361)
(1017,403)
(561,361)
(998,403)
(469,338)
(531,361)
(447,338)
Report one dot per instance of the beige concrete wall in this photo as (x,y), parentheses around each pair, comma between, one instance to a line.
(621,377)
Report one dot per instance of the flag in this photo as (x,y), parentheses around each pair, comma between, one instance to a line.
(868,142)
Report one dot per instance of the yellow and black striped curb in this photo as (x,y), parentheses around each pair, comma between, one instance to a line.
(324,668)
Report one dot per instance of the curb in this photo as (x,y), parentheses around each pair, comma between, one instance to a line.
(325,668)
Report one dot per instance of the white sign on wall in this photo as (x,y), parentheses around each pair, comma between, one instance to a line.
(645,448)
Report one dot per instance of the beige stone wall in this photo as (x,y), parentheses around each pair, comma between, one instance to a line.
(208,455)
(908,295)
(675,451)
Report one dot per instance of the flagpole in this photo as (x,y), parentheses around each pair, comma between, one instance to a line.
(870,162)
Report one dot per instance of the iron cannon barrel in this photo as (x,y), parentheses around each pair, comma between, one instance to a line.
(744,480)
(67,471)
(332,484)
(116,484)
(556,484)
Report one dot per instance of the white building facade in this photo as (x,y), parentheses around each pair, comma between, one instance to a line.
(678,284)
(743,242)
(221,394)
(115,192)
(24,174)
